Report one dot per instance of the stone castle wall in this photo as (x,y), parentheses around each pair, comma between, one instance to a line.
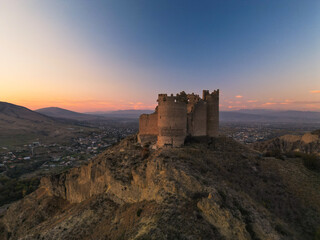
(148,127)
(148,124)
(178,116)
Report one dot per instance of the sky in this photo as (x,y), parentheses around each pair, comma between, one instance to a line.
(106,55)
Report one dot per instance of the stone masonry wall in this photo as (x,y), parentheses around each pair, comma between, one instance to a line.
(172,122)
(148,128)
(148,124)
(199,119)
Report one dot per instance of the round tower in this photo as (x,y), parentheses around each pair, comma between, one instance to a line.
(212,113)
(172,121)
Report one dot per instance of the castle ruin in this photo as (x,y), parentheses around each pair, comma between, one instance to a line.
(177,117)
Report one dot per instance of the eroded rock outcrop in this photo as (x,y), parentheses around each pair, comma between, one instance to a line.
(307,143)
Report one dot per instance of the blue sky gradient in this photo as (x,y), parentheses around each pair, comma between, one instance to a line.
(264,51)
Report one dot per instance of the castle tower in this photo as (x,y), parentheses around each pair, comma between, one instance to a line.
(197,116)
(177,117)
(212,100)
(172,120)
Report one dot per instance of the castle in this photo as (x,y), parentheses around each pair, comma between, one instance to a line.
(177,117)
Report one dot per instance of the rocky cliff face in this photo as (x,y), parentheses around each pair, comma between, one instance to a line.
(208,189)
(307,143)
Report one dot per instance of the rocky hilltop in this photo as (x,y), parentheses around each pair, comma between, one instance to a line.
(307,143)
(211,188)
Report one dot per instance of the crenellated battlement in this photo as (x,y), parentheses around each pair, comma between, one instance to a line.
(182,97)
(207,95)
(181,115)
(162,97)
(193,98)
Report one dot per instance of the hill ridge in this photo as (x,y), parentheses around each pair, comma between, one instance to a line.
(62,113)
(20,125)
(20,112)
(211,188)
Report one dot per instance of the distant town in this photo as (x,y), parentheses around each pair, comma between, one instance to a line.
(248,133)
(37,158)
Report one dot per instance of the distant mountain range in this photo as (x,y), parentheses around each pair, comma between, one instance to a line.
(60,113)
(272,116)
(131,113)
(245,115)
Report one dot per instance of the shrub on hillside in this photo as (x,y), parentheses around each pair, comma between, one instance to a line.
(294,154)
(274,153)
(317,234)
(299,154)
(12,189)
(311,161)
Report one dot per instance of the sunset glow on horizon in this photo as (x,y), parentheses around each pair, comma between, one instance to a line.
(114,55)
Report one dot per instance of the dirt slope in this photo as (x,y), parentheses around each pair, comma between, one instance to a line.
(208,189)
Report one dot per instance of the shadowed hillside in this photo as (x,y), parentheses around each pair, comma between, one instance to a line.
(13,112)
(207,189)
(20,125)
